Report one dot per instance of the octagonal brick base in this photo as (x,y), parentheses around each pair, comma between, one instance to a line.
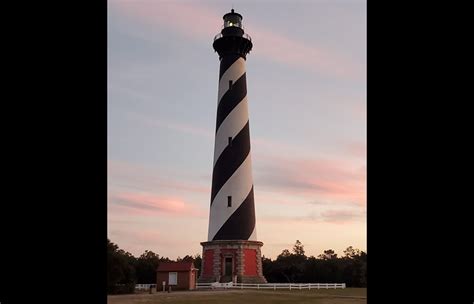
(246,262)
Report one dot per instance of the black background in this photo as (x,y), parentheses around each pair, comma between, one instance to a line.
(54,139)
(54,143)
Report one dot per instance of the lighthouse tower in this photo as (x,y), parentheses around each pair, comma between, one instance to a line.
(232,252)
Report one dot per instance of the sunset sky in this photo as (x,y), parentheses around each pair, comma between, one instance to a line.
(306,83)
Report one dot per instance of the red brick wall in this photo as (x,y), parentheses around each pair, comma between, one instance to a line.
(250,262)
(208,262)
(183,280)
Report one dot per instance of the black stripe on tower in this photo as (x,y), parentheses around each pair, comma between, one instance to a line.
(230,160)
(231,99)
(241,224)
(226,62)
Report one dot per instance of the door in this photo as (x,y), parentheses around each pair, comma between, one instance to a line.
(173,278)
(228,267)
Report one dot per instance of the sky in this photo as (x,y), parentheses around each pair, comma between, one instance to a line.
(306,86)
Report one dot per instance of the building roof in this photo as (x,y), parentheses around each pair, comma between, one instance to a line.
(175,266)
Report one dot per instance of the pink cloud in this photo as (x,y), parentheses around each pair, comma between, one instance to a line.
(315,179)
(291,52)
(191,20)
(149,204)
(196,21)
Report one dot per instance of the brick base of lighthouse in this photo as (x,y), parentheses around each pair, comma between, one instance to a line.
(232,261)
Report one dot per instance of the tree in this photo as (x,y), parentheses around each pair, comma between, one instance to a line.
(162,259)
(268,269)
(328,255)
(146,266)
(351,252)
(290,266)
(298,248)
(115,265)
(196,259)
(121,276)
(187,258)
(355,267)
(284,253)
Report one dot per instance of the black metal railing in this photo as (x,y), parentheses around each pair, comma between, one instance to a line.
(245,35)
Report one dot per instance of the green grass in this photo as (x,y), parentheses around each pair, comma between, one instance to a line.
(321,296)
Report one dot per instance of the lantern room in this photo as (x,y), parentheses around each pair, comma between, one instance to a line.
(232,19)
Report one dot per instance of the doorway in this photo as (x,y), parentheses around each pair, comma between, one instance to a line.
(228,266)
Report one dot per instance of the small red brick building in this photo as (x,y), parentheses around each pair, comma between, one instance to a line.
(178,275)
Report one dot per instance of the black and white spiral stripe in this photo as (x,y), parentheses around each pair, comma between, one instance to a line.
(232,171)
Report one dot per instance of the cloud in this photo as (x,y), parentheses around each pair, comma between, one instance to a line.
(316,179)
(132,191)
(132,176)
(265,144)
(341,216)
(330,203)
(198,22)
(172,125)
(331,216)
(298,54)
(193,21)
(150,204)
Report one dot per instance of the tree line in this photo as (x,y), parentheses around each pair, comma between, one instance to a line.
(296,267)
(125,270)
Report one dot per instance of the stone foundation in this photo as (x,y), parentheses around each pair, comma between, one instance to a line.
(246,262)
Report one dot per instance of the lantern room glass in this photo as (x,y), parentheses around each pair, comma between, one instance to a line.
(233,20)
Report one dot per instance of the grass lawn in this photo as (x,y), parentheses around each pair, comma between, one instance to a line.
(321,296)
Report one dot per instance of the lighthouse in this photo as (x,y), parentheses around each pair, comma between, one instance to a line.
(232,252)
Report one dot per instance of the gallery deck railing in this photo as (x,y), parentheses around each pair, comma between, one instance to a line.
(245,35)
(274,286)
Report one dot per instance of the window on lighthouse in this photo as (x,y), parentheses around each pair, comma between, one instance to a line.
(229,201)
